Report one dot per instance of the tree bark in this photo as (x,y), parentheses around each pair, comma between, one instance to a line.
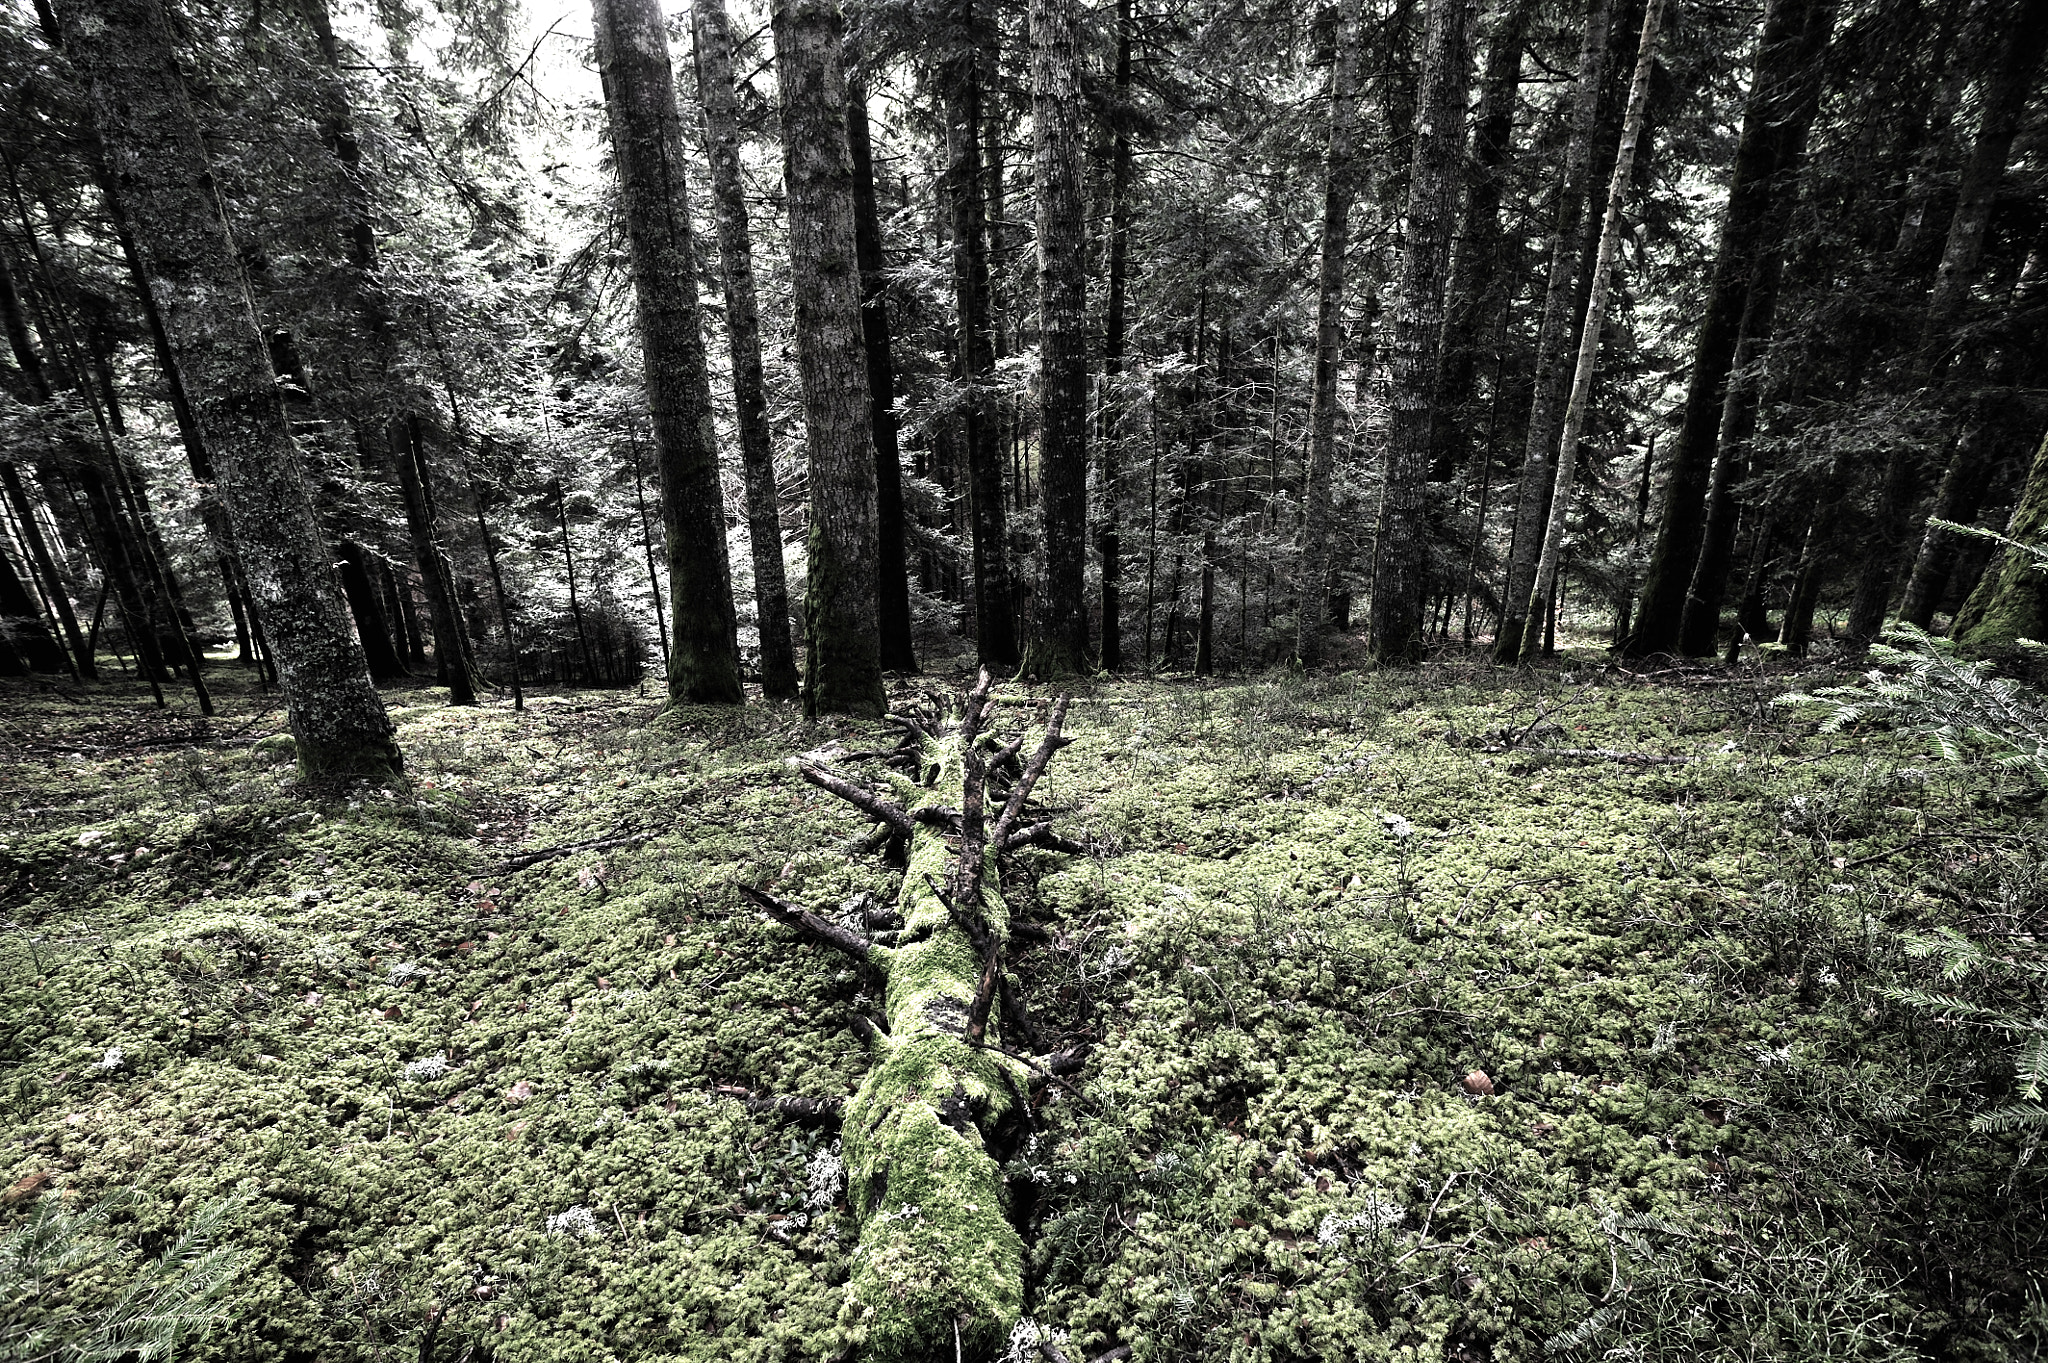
(373,630)
(1543,593)
(843,661)
(713,47)
(1400,570)
(647,142)
(452,654)
(898,651)
(45,565)
(995,620)
(1062,644)
(2011,599)
(1788,51)
(1548,392)
(1480,287)
(160,173)
(1108,543)
(1339,186)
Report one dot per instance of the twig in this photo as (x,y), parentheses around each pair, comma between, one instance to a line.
(526,859)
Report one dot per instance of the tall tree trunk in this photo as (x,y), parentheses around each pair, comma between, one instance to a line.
(22,618)
(373,629)
(1339,184)
(1480,287)
(843,661)
(647,141)
(743,332)
(893,596)
(1061,647)
(995,620)
(456,663)
(1401,545)
(1109,444)
(45,566)
(1956,499)
(1543,593)
(1549,390)
(1788,51)
(161,175)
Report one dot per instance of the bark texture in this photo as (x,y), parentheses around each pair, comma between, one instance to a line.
(1402,547)
(1061,647)
(960,42)
(743,332)
(899,653)
(159,170)
(1543,593)
(1548,392)
(1108,539)
(647,145)
(2011,599)
(1339,188)
(843,658)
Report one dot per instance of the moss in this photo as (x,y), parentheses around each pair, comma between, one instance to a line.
(2010,602)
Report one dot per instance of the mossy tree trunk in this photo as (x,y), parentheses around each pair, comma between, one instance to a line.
(2011,599)
(743,332)
(647,142)
(842,615)
(160,172)
(938,1272)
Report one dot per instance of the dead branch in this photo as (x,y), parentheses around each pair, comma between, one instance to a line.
(789,915)
(874,806)
(1033,769)
(1041,835)
(1640,759)
(804,1111)
(526,859)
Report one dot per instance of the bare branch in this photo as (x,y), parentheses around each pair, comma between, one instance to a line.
(1041,835)
(1033,769)
(789,915)
(874,806)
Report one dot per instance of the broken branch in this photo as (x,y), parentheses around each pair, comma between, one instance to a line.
(1033,769)
(789,915)
(874,806)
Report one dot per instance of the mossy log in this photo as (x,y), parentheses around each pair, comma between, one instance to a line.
(2011,599)
(939,1269)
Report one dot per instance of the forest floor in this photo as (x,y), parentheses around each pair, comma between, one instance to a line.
(461,1107)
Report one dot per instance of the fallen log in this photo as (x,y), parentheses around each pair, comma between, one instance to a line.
(939,1269)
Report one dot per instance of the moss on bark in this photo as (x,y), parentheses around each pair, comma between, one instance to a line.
(2011,600)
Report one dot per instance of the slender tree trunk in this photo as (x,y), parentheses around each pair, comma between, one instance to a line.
(1956,499)
(898,652)
(1338,189)
(451,642)
(1109,444)
(647,546)
(1479,290)
(161,176)
(1401,544)
(995,620)
(1550,388)
(1794,35)
(647,141)
(843,663)
(569,566)
(45,564)
(1545,587)
(1061,646)
(743,332)
(372,629)
(23,620)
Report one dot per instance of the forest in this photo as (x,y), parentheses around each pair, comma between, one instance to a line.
(887,681)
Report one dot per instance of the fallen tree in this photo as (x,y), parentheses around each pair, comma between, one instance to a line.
(939,1268)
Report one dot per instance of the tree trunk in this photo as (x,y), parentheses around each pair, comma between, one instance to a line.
(1061,646)
(1480,287)
(647,142)
(1956,499)
(452,655)
(1548,392)
(843,661)
(22,618)
(161,176)
(45,566)
(1401,545)
(1794,34)
(1338,189)
(995,620)
(743,332)
(1108,543)
(373,630)
(898,651)
(2011,599)
(1544,591)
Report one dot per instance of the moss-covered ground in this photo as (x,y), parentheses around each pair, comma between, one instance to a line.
(1412,1042)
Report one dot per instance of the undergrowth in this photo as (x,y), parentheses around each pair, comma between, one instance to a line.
(1449,1015)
